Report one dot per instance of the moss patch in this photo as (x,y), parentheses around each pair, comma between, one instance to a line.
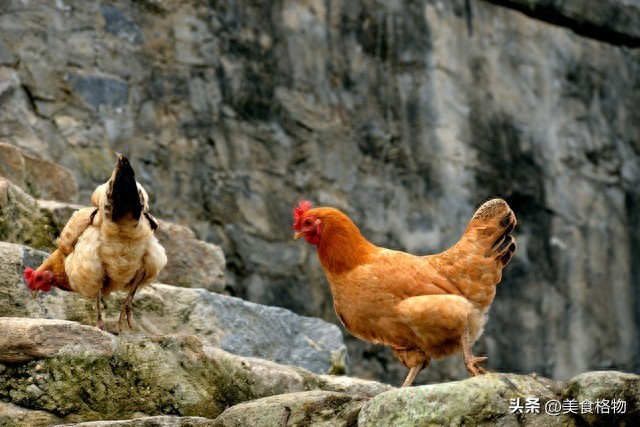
(21,221)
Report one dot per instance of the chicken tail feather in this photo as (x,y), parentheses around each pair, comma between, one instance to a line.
(123,194)
(493,223)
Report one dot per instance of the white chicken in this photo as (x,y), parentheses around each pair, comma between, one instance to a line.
(108,247)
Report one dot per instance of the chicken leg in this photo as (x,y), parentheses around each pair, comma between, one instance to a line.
(99,322)
(471,361)
(413,373)
(126,306)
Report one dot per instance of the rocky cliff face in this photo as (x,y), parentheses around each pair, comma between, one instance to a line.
(406,114)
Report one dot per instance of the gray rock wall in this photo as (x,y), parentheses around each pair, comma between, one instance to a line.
(406,114)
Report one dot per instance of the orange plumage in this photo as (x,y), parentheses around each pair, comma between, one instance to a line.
(423,307)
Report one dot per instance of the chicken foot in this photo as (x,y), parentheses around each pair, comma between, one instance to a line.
(99,322)
(413,373)
(126,306)
(471,361)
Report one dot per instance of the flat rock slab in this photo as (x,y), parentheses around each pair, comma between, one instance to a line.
(311,408)
(159,421)
(23,340)
(15,416)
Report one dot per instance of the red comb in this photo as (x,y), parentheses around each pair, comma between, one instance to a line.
(298,211)
(28,275)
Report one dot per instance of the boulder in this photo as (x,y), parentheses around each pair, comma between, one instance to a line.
(109,378)
(192,263)
(509,400)
(50,181)
(158,421)
(12,164)
(616,393)
(41,178)
(23,340)
(14,416)
(310,408)
(230,323)
(22,222)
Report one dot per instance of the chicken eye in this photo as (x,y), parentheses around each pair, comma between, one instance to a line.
(307,222)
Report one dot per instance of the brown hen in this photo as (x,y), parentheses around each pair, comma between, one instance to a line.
(423,307)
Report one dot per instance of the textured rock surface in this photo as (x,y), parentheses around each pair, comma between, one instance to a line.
(606,387)
(14,416)
(24,340)
(117,378)
(159,421)
(22,221)
(487,401)
(192,262)
(311,408)
(41,178)
(612,21)
(406,113)
(232,324)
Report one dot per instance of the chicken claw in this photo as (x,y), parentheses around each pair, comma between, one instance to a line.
(471,361)
(127,309)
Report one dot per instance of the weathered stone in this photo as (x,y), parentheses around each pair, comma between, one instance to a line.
(6,56)
(21,220)
(24,340)
(170,375)
(116,23)
(310,408)
(618,395)
(192,262)
(50,181)
(12,164)
(271,378)
(61,211)
(158,421)
(238,326)
(480,401)
(9,83)
(612,21)
(14,416)
(99,90)
(39,177)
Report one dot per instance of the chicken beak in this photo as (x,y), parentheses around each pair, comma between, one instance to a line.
(34,293)
(297,235)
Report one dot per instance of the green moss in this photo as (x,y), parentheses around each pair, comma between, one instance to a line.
(32,187)
(165,376)
(185,283)
(7,421)
(21,221)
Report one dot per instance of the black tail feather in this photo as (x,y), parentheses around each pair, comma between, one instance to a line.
(123,195)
